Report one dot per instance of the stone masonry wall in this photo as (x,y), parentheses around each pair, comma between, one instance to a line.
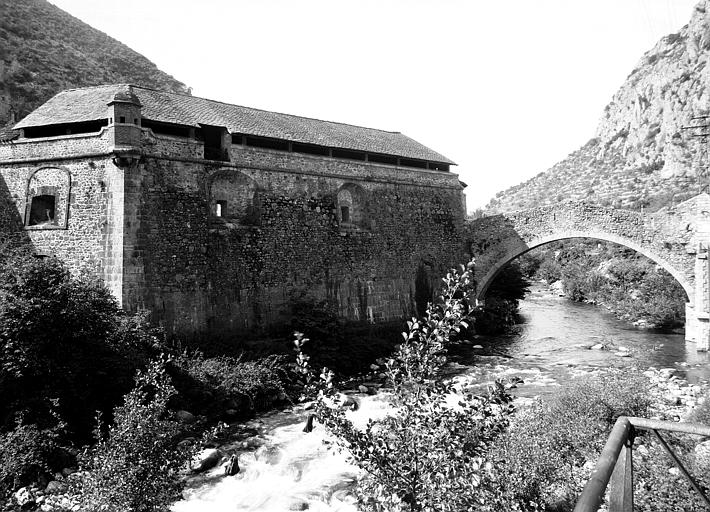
(204,274)
(149,229)
(670,237)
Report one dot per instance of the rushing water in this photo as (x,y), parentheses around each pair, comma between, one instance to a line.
(284,468)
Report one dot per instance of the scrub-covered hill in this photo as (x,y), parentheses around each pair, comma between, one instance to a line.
(44,50)
(642,154)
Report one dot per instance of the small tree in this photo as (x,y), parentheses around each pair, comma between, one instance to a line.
(429,454)
(136,467)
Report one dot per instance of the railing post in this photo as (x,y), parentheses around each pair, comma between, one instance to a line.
(621,492)
(593,493)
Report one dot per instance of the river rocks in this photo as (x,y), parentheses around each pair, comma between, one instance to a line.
(309,423)
(206,459)
(185,417)
(558,288)
(349,401)
(232,467)
(362,389)
(299,505)
(598,346)
(24,498)
(56,487)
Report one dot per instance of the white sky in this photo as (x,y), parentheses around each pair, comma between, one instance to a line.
(505,88)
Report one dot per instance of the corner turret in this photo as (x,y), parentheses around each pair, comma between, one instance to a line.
(124,122)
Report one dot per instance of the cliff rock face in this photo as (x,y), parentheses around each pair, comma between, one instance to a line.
(642,155)
(44,50)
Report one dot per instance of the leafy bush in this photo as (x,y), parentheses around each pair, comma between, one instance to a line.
(630,285)
(26,453)
(549,447)
(502,299)
(427,455)
(136,467)
(254,383)
(58,332)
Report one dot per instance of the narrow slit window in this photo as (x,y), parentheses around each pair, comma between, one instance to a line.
(122,119)
(345,213)
(220,208)
(42,210)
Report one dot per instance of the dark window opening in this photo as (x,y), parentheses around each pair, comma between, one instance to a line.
(212,137)
(310,149)
(42,210)
(176,130)
(53,130)
(351,155)
(237,138)
(261,142)
(382,159)
(438,167)
(413,163)
(135,120)
(122,119)
(220,208)
(345,214)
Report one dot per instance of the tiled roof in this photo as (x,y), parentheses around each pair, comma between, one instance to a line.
(89,104)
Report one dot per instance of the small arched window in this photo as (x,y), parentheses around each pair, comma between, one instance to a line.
(48,199)
(352,211)
(233,198)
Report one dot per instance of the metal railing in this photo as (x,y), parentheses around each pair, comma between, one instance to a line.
(616,464)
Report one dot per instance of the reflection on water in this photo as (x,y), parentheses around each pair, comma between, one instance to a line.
(291,470)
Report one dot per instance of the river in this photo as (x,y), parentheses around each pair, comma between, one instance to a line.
(284,468)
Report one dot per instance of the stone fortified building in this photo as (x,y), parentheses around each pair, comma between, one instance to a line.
(218,217)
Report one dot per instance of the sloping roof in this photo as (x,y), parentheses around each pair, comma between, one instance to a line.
(89,104)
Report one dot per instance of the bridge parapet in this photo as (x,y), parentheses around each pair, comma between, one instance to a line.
(677,238)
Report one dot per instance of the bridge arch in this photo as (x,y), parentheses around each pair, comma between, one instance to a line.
(484,281)
(677,238)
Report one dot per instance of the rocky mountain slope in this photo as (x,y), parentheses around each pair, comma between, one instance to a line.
(642,155)
(44,50)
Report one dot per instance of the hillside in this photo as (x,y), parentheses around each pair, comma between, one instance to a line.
(44,50)
(642,155)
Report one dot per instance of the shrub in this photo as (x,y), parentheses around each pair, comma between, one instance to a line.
(58,333)
(255,383)
(136,467)
(26,453)
(549,448)
(427,455)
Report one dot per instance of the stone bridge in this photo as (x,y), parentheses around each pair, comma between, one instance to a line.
(677,238)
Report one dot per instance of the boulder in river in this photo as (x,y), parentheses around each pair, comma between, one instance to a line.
(206,459)
(232,467)
(185,417)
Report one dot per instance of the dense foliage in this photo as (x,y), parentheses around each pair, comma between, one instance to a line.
(428,454)
(246,385)
(58,333)
(503,297)
(552,446)
(67,351)
(629,284)
(136,466)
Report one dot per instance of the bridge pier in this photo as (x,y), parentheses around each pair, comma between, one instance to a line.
(697,313)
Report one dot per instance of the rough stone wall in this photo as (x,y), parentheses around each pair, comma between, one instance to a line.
(149,229)
(84,233)
(671,236)
(237,274)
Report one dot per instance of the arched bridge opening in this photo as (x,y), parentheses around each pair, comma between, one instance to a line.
(676,238)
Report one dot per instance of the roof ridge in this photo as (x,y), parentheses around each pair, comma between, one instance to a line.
(97,86)
(262,109)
